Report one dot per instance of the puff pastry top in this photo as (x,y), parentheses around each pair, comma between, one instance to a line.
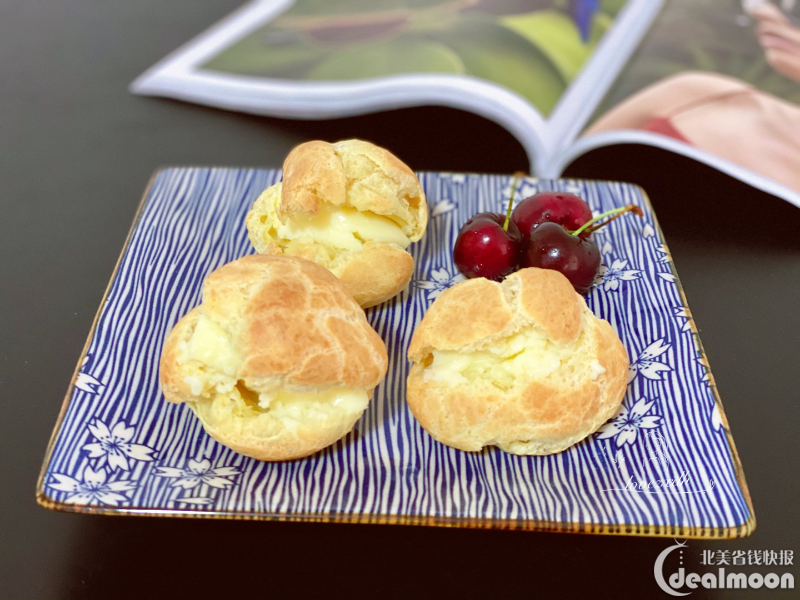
(278,361)
(523,365)
(351,207)
(353,173)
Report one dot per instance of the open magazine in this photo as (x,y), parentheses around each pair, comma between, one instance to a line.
(714,80)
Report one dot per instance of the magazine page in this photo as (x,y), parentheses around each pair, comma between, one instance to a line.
(717,81)
(537,67)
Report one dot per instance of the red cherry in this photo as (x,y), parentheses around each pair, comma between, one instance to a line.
(550,246)
(568,210)
(484,249)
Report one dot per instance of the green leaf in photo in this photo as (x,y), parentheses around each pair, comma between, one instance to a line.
(493,52)
(254,56)
(600,25)
(515,7)
(555,35)
(323,8)
(392,57)
(612,7)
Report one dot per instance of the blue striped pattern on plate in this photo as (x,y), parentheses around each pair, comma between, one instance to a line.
(665,465)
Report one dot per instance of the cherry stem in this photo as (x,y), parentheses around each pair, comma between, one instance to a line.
(617,212)
(511,201)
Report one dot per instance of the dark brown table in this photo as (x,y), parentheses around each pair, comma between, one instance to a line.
(77,151)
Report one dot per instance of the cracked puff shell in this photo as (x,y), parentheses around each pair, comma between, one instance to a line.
(328,183)
(523,365)
(277,362)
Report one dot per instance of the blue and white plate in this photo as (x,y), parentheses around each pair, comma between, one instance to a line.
(665,465)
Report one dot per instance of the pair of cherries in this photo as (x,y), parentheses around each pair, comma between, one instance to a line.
(549,230)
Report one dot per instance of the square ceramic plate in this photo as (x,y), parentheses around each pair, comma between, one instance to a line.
(666,465)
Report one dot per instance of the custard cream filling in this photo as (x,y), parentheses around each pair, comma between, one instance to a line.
(341,227)
(528,353)
(305,406)
(292,409)
(211,345)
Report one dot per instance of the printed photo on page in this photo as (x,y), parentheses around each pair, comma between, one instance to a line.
(720,77)
(536,67)
(717,81)
(534,48)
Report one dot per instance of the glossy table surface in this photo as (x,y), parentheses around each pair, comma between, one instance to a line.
(77,151)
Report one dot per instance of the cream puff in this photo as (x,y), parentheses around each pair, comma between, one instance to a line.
(523,365)
(277,362)
(352,207)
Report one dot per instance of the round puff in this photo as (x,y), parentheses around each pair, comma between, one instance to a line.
(278,361)
(523,365)
(352,175)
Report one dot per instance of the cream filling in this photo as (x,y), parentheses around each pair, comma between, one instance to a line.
(211,346)
(528,354)
(291,409)
(343,227)
(294,408)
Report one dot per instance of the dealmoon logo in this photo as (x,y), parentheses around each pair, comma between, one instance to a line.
(712,581)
